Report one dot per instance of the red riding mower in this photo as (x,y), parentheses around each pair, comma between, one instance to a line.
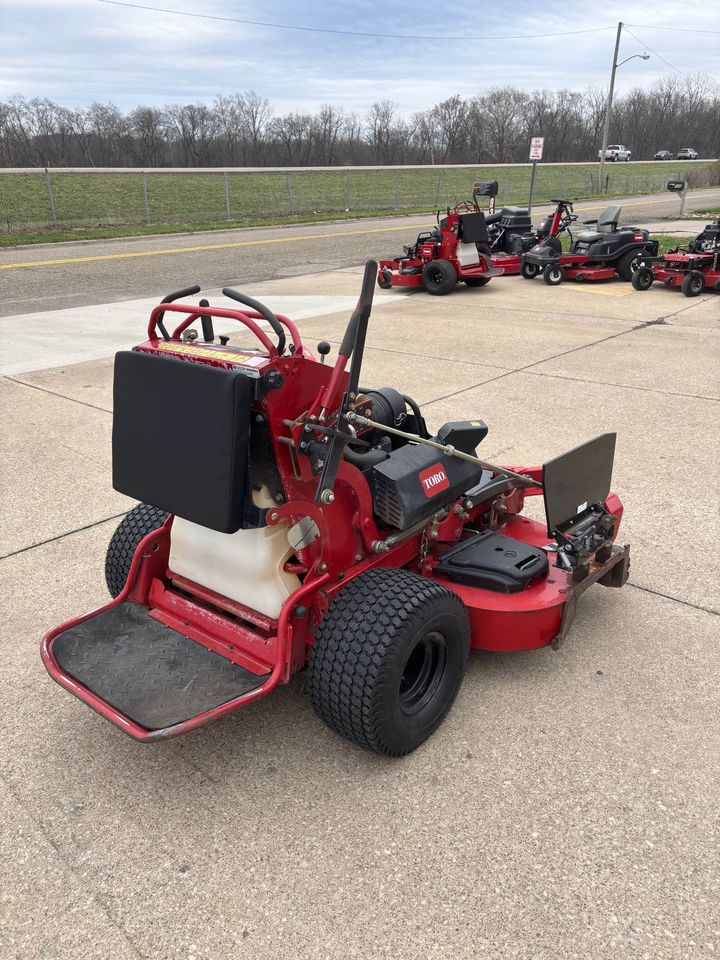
(693,270)
(456,249)
(291,518)
(596,254)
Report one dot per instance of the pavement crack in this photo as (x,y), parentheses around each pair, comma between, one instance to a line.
(667,596)
(61,536)
(557,356)
(622,386)
(54,393)
(67,866)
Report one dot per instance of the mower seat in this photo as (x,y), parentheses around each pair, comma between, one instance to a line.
(607,222)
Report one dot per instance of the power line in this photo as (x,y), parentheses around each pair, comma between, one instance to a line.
(348,33)
(647,26)
(672,66)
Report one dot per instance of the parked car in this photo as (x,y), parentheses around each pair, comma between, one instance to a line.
(663,155)
(687,153)
(615,152)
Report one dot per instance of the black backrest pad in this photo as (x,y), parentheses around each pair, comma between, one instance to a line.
(473,228)
(180,437)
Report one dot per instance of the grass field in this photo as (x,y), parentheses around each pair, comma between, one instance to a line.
(96,205)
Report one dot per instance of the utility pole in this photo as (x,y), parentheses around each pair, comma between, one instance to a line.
(608,109)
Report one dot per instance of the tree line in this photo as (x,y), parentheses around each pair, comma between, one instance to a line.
(242,129)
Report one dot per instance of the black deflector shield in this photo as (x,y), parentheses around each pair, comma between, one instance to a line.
(576,480)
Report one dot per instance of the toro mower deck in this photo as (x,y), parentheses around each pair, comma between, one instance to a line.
(290,519)
(694,269)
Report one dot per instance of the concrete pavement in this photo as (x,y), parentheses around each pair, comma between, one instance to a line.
(568,806)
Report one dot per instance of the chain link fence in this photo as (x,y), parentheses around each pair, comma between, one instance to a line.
(42,200)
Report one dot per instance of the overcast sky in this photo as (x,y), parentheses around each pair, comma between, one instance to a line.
(77,51)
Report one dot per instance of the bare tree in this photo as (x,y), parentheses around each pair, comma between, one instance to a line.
(239,129)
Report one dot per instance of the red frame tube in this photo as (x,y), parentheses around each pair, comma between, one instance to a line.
(246,318)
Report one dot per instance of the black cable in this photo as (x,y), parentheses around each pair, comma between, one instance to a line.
(348,33)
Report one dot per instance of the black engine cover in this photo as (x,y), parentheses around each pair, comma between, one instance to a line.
(416,481)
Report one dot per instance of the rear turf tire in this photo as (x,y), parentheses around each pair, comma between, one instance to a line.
(388,660)
(627,265)
(439,277)
(693,284)
(133,528)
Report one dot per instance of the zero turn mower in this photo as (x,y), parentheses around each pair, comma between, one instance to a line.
(291,518)
(693,269)
(598,254)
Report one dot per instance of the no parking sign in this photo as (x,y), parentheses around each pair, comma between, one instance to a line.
(536,148)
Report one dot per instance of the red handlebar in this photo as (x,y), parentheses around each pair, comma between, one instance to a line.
(247,318)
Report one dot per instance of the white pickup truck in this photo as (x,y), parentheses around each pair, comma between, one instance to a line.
(616,151)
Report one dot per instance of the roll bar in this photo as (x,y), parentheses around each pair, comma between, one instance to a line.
(258,311)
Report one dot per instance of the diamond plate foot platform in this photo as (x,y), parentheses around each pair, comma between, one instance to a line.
(153,674)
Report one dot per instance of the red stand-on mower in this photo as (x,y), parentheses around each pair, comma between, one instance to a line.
(598,254)
(456,249)
(694,269)
(291,518)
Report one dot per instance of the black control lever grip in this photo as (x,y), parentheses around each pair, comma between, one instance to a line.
(260,308)
(178,295)
(361,313)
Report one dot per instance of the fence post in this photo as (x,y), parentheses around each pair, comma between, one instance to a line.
(145,198)
(226,189)
(439,185)
(51,199)
(291,202)
(348,194)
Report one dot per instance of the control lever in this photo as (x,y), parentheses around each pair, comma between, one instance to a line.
(207,324)
(323,349)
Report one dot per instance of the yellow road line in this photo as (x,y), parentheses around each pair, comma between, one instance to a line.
(205,246)
(255,243)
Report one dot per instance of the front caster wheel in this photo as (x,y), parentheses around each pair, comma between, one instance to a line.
(642,279)
(476,281)
(388,660)
(529,271)
(693,284)
(553,276)
(384,279)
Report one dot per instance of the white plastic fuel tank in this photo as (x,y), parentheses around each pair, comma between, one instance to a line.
(246,566)
(467,254)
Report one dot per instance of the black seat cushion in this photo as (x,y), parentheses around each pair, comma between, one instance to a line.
(590,236)
(180,437)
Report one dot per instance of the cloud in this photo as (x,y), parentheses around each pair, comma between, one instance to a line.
(77,51)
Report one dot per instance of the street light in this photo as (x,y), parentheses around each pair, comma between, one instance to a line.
(608,109)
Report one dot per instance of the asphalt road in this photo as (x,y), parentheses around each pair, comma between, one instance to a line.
(53,276)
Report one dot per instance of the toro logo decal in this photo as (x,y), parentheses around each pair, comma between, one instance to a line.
(433,480)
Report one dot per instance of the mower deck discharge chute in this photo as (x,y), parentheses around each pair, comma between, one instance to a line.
(289,517)
(694,269)
(600,253)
